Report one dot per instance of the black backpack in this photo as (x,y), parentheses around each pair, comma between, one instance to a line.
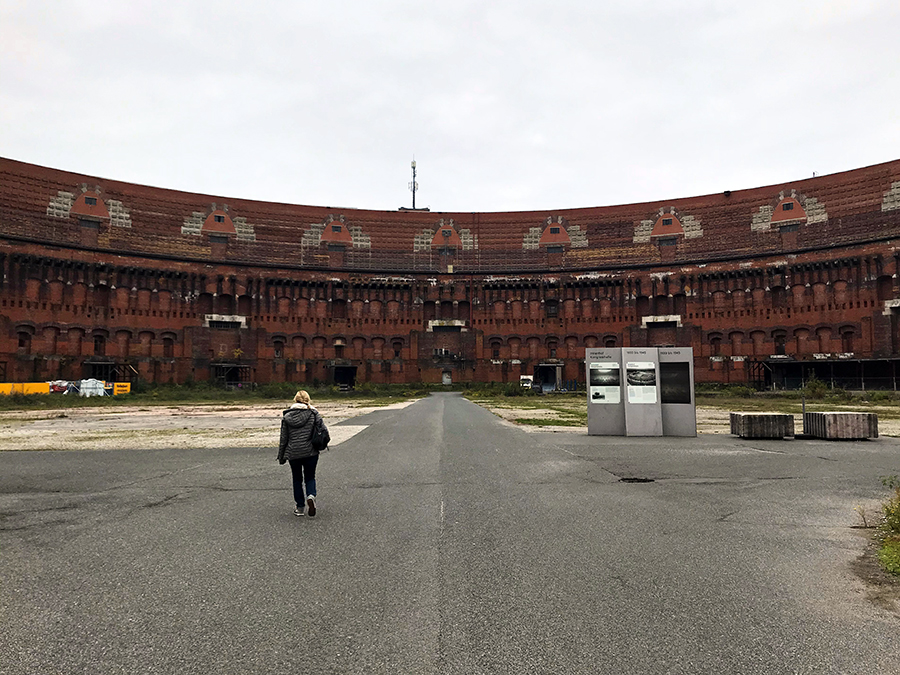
(320,436)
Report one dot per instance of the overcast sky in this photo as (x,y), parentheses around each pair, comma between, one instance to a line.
(513,105)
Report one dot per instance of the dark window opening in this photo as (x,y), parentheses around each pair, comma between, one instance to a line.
(168,348)
(847,342)
(24,343)
(555,249)
(789,206)
(779,344)
(339,351)
(219,219)
(90,201)
(667,221)
(279,350)
(554,230)
(335,228)
(445,233)
(552,308)
(99,345)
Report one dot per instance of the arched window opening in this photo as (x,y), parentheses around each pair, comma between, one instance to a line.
(847,341)
(99,345)
(715,344)
(495,349)
(24,343)
(780,340)
(279,349)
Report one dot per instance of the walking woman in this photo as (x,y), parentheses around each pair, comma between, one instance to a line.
(296,447)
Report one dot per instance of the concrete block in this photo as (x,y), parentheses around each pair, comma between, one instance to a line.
(762,425)
(840,425)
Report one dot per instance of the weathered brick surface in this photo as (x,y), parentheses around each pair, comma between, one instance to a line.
(742,280)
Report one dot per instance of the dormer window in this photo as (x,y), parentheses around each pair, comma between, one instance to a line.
(219,219)
(445,234)
(554,230)
(335,228)
(90,201)
(666,221)
(787,206)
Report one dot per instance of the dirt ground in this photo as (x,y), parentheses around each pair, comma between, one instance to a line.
(709,421)
(148,427)
(210,426)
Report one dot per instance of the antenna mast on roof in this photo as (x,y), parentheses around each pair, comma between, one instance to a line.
(413,185)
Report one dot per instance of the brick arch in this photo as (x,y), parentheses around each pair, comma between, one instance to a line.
(90,205)
(555,232)
(446,236)
(336,231)
(218,222)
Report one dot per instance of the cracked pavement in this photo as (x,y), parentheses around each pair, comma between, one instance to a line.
(446,542)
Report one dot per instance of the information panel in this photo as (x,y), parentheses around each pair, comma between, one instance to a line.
(605,404)
(676,386)
(641,378)
(643,415)
(604,382)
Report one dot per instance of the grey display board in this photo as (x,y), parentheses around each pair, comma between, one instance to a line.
(676,391)
(605,392)
(643,410)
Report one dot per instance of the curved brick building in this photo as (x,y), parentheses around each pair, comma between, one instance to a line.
(113,280)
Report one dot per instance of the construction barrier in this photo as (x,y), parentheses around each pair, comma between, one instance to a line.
(24,388)
(8,388)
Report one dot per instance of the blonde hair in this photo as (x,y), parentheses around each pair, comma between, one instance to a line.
(301,397)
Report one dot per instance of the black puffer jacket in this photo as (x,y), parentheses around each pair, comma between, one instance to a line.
(296,433)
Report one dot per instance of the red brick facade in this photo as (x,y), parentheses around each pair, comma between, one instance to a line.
(116,280)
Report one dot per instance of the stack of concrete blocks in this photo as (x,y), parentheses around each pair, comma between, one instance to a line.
(762,425)
(840,425)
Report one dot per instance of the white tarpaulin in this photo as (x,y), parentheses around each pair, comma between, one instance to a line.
(91,388)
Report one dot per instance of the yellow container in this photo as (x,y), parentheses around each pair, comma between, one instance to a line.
(121,388)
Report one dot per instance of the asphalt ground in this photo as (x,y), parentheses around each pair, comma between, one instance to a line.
(446,542)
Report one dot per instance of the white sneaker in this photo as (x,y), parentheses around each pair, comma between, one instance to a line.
(311,505)
(298,511)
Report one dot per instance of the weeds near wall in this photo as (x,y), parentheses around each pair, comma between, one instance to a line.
(889,534)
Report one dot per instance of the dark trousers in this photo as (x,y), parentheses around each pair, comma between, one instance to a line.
(304,471)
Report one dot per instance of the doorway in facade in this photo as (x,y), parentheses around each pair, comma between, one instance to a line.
(345,376)
(232,374)
(547,377)
(446,377)
(104,371)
